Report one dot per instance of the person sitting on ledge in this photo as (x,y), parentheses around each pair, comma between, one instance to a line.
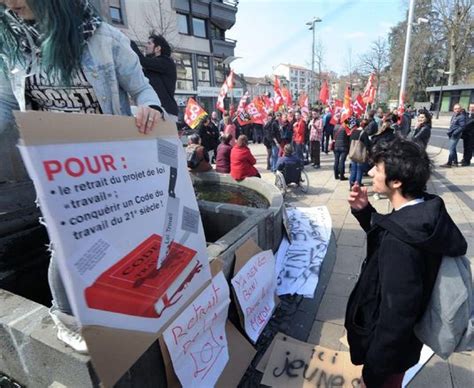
(242,161)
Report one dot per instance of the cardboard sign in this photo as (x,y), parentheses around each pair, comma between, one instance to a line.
(104,190)
(301,365)
(298,272)
(196,340)
(254,287)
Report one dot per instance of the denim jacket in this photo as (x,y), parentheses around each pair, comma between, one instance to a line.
(110,66)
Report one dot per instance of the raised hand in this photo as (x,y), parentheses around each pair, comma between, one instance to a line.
(358,198)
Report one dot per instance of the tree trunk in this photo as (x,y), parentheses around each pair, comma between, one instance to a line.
(452,58)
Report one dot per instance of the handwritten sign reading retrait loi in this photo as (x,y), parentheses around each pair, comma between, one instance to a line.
(196,340)
(255,286)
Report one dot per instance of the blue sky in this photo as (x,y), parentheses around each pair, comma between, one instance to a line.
(269,32)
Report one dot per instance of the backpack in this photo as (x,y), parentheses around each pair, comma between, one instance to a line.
(192,157)
(358,151)
(447,325)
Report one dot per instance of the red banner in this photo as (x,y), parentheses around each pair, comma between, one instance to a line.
(257,115)
(226,86)
(193,113)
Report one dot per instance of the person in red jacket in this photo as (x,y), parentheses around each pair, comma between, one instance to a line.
(242,161)
(299,128)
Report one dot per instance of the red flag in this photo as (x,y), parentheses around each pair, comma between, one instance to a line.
(278,98)
(324,93)
(193,113)
(303,102)
(242,103)
(347,105)
(226,86)
(336,109)
(242,116)
(286,96)
(369,91)
(359,106)
(256,111)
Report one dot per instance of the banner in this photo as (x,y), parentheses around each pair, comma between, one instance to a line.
(197,341)
(254,285)
(303,102)
(298,271)
(193,113)
(105,192)
(226,87)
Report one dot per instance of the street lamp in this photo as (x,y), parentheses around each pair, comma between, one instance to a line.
(442,72)
(312,26)
(407,49)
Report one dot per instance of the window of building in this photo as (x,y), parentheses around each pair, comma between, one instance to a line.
(217,33)
(199,28)
(218,71)
(183,26)
(115,10)
(204,77)
(184,70)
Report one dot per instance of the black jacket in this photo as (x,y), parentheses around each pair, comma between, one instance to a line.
(341,139)
(404,251)
(422,135)
(209,136)
(161,71)
(372,127)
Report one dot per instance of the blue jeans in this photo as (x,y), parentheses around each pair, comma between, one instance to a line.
(339,163)
(453,155)
(274,159)
(357,170)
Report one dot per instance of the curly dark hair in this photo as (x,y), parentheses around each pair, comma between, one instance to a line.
(406,162)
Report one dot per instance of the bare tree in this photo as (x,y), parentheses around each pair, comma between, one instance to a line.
(376,60)
(156,18)
(319,53)
(456,17)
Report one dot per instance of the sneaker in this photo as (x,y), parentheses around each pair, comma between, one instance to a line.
(69,331)
(447,165)
(343,178)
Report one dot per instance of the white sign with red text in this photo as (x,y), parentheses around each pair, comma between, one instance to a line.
(255,286)
(197,341)
(111,207)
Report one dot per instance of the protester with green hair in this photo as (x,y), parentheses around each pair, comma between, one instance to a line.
(58,55)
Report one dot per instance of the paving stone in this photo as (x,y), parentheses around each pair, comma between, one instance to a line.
(332,309)
(341,284)
(327,334)
(461,366)
(352,237)
(348,259)
(434,374)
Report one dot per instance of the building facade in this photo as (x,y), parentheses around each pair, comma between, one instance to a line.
(258,86)
(298,77)
(195,29)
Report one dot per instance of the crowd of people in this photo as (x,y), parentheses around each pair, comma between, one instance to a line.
(317,132)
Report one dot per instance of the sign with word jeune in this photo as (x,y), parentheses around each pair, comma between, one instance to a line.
(301,365)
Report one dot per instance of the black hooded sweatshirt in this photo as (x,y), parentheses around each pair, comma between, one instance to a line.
(404,251)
